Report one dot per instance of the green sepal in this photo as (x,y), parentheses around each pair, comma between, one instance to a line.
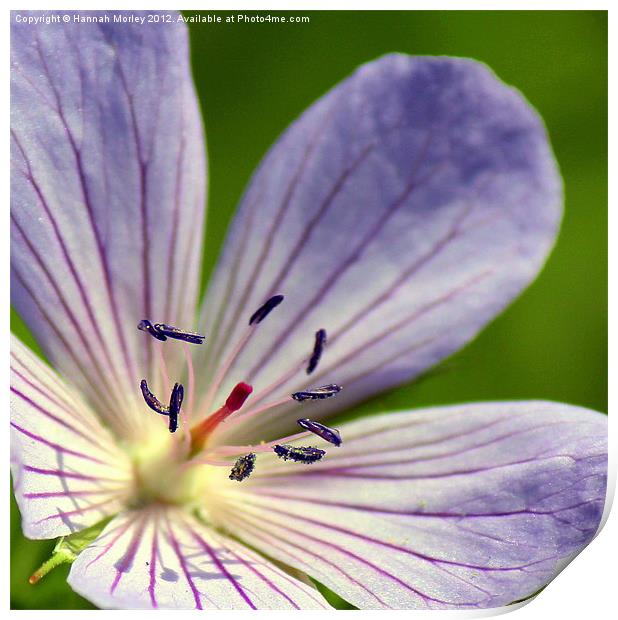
(68,548)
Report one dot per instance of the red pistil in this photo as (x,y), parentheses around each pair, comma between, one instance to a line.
(234,402)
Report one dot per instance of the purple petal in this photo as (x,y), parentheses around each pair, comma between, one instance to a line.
(166,559)
(469,506)
(107,195)
(68,471)
(401,213)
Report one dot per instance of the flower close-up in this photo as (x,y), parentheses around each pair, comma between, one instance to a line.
(182,448)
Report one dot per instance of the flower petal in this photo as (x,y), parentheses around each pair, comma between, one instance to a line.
(68,473)
(468,506)
(165,558)
(107,195)
(401,213)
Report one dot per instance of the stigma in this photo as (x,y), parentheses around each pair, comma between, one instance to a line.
(162,332)
(233,403)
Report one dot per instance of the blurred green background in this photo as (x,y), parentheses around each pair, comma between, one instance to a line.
(254,79)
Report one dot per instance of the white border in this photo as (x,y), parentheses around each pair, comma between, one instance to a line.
(587,587)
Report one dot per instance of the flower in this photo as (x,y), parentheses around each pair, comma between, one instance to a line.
(397,216)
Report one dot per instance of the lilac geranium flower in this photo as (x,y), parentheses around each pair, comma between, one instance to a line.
(397,216)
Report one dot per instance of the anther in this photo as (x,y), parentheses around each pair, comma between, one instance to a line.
(147,326)
(162,332)
(319,393)
(179,334)
(264,310)
(243,467)
(173,410)
(331,435)
(152,401)
(178,393)
(306,455)
(318,347)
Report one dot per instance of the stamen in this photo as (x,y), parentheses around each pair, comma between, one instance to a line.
(229,451)
(191,373)
(234,402)
(178,393)
(147,326)
(152,401)
(243,467)
(263,311)
(309,364)
(173,410)
(256,318)
(318,347)
(306,455)
(319,393)
(162,332)
(331,435)
(165,375)
(179,334)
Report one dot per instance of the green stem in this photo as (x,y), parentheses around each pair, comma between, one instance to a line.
(60,557)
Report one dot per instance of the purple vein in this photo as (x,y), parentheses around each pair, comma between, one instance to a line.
(62,515)
(270,236)
(53,398)
(384,543)
(125,563)
(327,286)
(346,552)
(262,577)
(95,441)
(54,284)
(221,566)
(56,446)
(154,552)
(59,473)
(143,203)
(101,395)
(260,534)
(171,262)
(89,210)
(183,565)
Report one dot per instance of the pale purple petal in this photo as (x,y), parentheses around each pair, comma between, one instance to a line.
(401,213)
(163,558)
(68,472)
(107,195)
(468,506)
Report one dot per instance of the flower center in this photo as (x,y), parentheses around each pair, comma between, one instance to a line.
(180,465)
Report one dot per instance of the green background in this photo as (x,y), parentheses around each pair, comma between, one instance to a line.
(253,80)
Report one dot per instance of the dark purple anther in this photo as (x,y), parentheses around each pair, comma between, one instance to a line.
(331,435)
(178,393)
(319,393)
(306,455)
(147,326)
(318,347)
(243,467)
(179,334)
(162,332)
(263,311)
(152,401)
